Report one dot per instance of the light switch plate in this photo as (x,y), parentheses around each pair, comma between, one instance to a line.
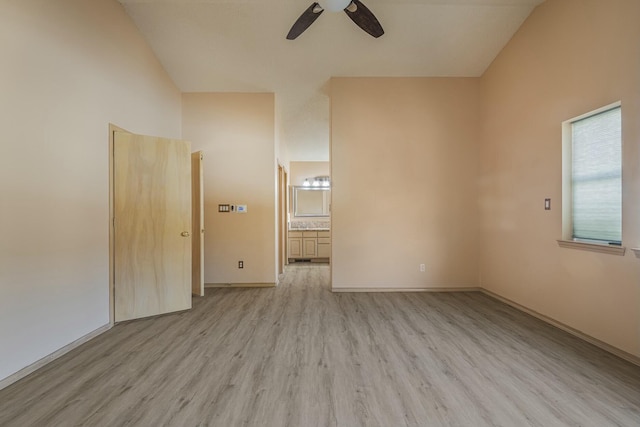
(547,204)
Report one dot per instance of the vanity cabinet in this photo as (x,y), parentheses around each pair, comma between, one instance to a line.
(295,244)
(309,244)
(324,244)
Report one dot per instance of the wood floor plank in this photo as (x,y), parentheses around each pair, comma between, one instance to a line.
(299,355)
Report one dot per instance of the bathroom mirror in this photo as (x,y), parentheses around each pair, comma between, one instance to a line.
(309,201)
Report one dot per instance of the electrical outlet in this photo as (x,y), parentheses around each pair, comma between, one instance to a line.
(240,264)
(423,268)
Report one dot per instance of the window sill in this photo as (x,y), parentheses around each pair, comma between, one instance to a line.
(593,247)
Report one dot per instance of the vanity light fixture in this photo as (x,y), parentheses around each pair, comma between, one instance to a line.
(322,181)
(318,181)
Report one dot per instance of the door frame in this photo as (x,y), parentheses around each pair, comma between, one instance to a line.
(112,307)
(285,220)
(197,223)
(282,218)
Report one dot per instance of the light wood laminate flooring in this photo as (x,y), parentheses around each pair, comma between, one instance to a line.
(299,355)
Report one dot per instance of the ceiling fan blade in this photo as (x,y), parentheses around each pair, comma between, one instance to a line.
(364,18)
(305,20)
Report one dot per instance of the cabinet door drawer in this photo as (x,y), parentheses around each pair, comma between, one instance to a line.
(309,248)
(324,234)
(295,248)
(295,234)
(324,250)
(324,240)
(309,234)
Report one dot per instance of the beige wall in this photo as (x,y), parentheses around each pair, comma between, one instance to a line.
(236,133)
(404,164)
(302,170)
(569,57)
(69,68)
(282,151)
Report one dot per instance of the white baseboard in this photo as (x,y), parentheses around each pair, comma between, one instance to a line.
(53,356)
(601,344)
(465,289)
(239,285)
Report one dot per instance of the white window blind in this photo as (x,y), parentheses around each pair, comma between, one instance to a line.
(597,176)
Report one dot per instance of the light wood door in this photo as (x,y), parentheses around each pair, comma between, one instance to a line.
(197,221)
(152,232)
(282,219)
(309,247)
(324,247)
(295,247)
(285,210)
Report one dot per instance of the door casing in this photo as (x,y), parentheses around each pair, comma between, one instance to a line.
(197,235)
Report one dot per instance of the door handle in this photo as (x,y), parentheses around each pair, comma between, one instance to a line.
(185,234)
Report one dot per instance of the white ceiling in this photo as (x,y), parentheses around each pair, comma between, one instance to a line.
(240,46)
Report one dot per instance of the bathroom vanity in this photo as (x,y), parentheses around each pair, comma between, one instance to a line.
(309,245)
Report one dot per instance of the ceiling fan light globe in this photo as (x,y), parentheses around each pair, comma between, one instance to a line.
(334,5)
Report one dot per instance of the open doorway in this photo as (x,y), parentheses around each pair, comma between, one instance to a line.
(309,212)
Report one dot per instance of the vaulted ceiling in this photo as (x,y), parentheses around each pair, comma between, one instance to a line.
(240,46)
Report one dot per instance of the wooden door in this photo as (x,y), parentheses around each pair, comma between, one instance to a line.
(197,220)
(152,226)
(285,210)
(309,247)
(282,220)
(295,247)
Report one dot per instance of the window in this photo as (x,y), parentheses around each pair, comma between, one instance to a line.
(593,175)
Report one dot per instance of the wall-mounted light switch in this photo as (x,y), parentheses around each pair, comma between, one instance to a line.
(223,208)
(547,204)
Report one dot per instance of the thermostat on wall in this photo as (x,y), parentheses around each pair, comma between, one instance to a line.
(241,209)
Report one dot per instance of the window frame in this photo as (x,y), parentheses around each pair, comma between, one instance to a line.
(568,240)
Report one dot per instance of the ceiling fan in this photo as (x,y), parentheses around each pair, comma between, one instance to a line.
(354,9)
